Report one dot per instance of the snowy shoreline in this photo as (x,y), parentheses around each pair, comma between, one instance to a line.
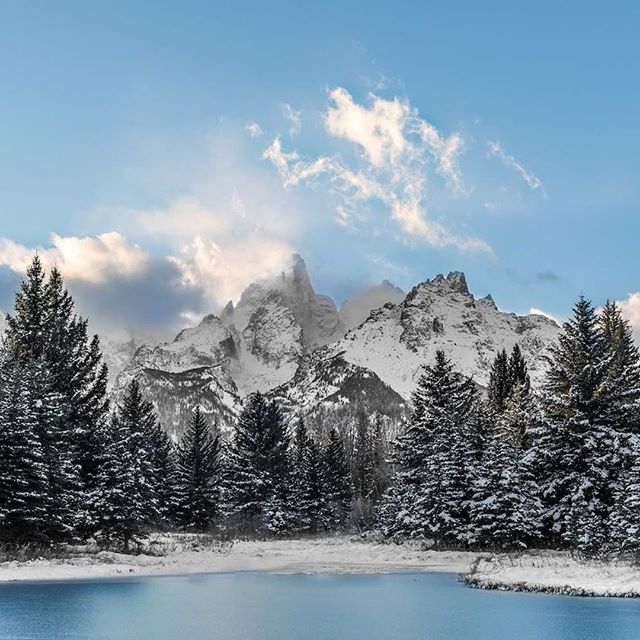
(313,556)
(536,571)
(555,573)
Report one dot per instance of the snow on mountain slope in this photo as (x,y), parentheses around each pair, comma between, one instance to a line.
(356,310)
(396,340)
(254,346)
(285,340)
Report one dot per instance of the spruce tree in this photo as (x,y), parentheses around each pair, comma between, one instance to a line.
(255,486)
(505,510)
(339,479)
(44,329)
(433,458)
(198,475)
(518,374)
(23,468)
(574,446)
(625,517)
(127,502)
(499,382)
(163,462)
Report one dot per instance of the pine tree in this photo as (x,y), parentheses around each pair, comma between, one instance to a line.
(573,448)
(44,330)
(57,441)
(363,470)
(505,511)
(515,423)
(23,468)
(339,480)
(623,374)
(118,516)
(163,462)
(198,475)
(300,505)
(127,502)
(499,382)
(518,374)
(255,487)
(434,457)
(625,518)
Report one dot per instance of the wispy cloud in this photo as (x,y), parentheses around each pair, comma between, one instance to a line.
(496,150)
(254,130)
(396,150)
(294,117)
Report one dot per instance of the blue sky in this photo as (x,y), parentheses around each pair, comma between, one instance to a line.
(496,139)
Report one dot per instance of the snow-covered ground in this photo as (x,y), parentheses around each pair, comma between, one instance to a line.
(548,571)
(555,572)
(325,555)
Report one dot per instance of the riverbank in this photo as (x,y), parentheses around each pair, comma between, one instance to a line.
(175,554)
(555,572)
(334,555)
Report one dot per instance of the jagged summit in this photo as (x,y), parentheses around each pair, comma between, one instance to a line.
(283,338)
(456,281)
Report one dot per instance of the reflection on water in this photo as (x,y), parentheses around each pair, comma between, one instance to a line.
(252,606)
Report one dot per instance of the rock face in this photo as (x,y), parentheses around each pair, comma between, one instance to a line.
(287,341)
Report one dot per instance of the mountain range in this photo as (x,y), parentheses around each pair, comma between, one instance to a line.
(287,341)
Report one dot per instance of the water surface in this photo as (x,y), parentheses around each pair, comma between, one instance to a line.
(261,606)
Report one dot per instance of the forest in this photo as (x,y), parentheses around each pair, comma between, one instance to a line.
(508,467)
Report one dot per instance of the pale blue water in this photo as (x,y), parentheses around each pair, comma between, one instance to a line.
(259,606)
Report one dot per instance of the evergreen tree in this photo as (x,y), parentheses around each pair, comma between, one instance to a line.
(118,512)
(339,480)
(625,518)
(434,457)
(23,468)
(163,462)
(573,448)
(505,510)
(300,504)
(499,382)
(127,502)
(623,374)
(518,374)
(515,423)
(255,488)
(44,330)
(198,475)
(363,469)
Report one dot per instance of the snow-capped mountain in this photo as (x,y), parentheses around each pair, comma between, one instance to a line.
(397,339)
(284,339)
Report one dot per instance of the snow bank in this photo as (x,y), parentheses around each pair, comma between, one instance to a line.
(555,572)
(325,555)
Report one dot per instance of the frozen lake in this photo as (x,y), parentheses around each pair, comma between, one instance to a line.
(246,606)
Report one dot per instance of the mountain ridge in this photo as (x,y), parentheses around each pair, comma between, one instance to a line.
(285,340)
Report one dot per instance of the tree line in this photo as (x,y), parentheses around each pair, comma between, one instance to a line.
(558,467)
(515,467)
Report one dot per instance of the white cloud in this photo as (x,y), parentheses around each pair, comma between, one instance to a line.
(294,117)
(631,311)
(88,259)
(254,130)
(395,148)
(445,151)
(223,271)
(532,181)
(379,130)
